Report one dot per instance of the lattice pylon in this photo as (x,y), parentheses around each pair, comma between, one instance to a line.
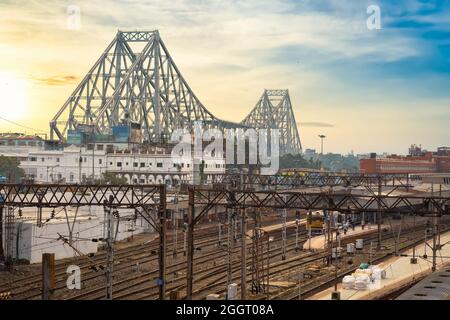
(129,83)
(135,80)
(274,111)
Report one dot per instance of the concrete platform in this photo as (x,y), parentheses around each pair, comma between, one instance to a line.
(279,226)
(318,242)
(399,273)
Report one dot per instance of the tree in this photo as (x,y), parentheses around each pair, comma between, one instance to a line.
(297,161)
(111,178)
(9,168)
(338,162)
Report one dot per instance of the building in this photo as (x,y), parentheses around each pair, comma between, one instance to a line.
(146,165)
(442,157)
(71,165)
(417,161)
(17,145)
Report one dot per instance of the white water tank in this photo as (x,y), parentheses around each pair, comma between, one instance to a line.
(359,244)
(350,248)
(232,291)
(335,253)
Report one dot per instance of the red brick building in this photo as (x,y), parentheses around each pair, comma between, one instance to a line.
(442,157)
(425,162)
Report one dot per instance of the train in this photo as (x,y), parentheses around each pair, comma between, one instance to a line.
(315,220)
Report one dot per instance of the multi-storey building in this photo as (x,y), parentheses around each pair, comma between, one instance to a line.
(416,162)
(147,165)
(18,145)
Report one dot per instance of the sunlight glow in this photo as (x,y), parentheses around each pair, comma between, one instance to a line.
(13,96)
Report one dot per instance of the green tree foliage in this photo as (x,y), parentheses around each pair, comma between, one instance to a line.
(9,168)
(329,162)
(297,161)
(111,178)
(337,162)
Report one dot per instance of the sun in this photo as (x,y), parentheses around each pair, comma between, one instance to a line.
(13,96)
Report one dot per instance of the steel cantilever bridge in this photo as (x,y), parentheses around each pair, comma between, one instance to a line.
(145,86)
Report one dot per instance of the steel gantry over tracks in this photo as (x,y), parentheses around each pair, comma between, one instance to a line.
(149,201)
(313,179)
(53,195)
(201,200)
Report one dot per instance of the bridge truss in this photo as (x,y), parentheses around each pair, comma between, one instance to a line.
(274,111)
(135,80)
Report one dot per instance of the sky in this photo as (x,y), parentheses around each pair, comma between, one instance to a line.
(366,89)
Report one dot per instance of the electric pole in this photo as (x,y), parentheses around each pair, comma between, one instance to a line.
(283,234)
(93,156)
(175,225)
(230,245)
(48,275)
(109,248)
(243,257)
(379,213)
(434,248)
(2,257)
(190,246)
(296,234)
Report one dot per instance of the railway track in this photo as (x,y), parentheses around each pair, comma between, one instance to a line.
(215,272)
(276,268)
(214,277)
(20,288)
(313,286)
(205,265)
(210,269)
(29,287)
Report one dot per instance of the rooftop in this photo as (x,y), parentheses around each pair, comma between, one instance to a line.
(18,136)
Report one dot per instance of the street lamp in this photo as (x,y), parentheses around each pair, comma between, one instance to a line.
(269,240)
(321,136)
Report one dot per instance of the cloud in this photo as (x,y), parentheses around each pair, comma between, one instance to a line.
(229,51)
(316,124)
(55,80)
(236,26)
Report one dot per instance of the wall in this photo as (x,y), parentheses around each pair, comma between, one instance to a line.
(52,165)
(33,241)
(388,165)
(443,164)
(30,241)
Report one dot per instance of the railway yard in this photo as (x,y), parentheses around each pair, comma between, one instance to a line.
(138,191)
(201,255)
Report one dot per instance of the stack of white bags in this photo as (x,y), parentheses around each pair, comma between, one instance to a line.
(348,282)
(361,282)
(361,278)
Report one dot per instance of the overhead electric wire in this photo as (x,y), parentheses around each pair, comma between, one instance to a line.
(20,125)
